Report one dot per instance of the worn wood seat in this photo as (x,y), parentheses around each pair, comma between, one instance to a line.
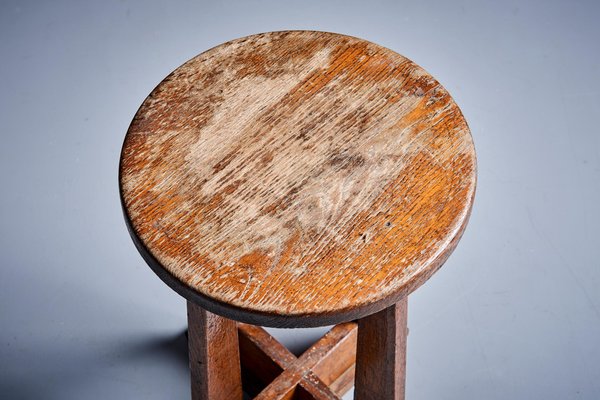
(297,179)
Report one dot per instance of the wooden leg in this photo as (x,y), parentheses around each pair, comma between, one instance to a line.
(214,356)
(381,354)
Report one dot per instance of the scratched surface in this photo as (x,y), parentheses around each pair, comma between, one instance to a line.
(298,174)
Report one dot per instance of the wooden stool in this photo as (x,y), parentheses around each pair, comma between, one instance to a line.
(297,179)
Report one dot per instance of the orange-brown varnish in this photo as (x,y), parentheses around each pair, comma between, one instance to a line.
(294,174)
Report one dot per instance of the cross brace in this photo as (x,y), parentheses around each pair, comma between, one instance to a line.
(226,356)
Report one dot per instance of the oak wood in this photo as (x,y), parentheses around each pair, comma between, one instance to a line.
(344,382)
(263,358)
(313,388)
(297,178)
(214,356)
(336,367)
(381,354)
(324,371)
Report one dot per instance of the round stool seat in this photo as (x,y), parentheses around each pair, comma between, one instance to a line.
(297,178)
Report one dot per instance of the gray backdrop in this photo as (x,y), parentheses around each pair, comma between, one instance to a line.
(515,312)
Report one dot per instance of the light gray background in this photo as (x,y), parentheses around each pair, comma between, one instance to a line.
(515,312)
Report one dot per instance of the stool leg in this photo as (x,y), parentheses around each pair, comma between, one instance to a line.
(214,356)
(381,354)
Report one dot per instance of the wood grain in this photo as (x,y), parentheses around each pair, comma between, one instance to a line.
(324,371)
(297,178)
(381,354)
(214,356)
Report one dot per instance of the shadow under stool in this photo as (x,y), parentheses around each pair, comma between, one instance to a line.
(297,179)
